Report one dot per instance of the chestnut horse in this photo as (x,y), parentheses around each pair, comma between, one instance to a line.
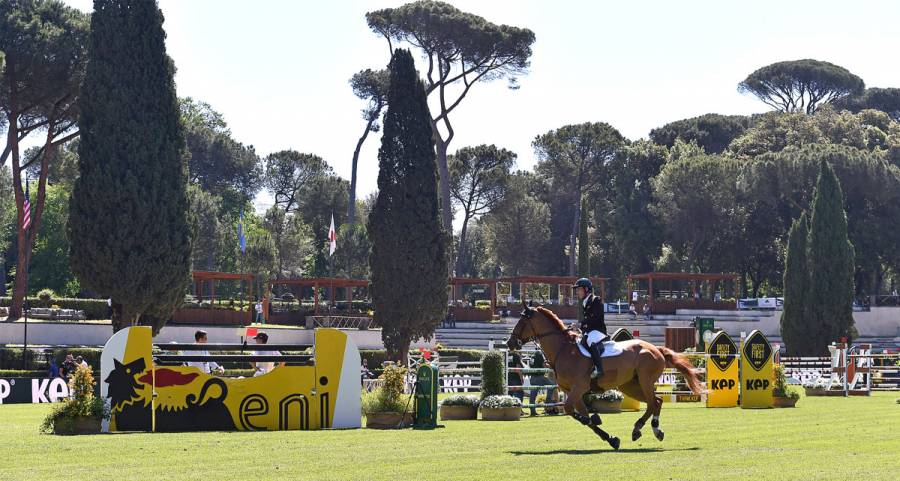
(635,371)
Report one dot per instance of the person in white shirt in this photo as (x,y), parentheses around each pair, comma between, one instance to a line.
(208,366)
(81,362)
(261,368)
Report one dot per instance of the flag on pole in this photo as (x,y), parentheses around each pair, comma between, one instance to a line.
(26,217)
(240,231)
(332,237)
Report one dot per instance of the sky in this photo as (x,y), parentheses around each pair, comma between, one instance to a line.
(278,70)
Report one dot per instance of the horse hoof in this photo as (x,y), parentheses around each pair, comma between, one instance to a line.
(659,434)
(614,442)
(635,435)
(595,420)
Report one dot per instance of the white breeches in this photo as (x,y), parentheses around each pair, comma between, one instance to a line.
(593,337)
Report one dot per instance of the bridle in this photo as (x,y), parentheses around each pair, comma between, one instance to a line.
(526,317)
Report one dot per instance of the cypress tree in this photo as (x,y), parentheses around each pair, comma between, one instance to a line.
(409,259)
(584,246)
(795,321)
(129,231)
(831,263)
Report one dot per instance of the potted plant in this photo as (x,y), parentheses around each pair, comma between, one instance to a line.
(385,407)
(819,387)
(609,401)
(783,396)
(501,408)
(82,412)
(459,407)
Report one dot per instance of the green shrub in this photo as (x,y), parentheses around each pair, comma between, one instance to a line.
(501,401)
(389,396)
(93,308)
(781,389)
(460,400)
(493,382)
(36,360)
(82,402)
(46,294)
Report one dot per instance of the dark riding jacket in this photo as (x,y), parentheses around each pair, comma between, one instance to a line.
(593,315)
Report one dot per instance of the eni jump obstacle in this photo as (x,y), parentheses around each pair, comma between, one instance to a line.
(318,390)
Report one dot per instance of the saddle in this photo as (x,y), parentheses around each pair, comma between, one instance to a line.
(610,349)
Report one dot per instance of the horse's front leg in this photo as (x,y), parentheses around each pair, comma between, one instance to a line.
(581,414)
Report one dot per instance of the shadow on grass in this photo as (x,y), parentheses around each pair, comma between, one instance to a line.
(597,451)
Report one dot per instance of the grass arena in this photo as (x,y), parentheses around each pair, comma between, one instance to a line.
(822,438)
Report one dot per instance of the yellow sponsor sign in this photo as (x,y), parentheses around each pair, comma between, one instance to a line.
(722,372)
(756,372)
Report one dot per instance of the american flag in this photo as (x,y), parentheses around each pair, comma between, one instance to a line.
(26,218)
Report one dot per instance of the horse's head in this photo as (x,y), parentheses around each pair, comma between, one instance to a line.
(524,329)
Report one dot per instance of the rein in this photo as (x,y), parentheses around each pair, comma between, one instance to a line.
(552,332)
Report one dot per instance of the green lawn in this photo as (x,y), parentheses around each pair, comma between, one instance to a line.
(823,438)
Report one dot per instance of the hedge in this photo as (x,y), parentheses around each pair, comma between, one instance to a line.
(11,358)
(93,308)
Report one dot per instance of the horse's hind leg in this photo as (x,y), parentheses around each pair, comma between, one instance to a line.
(633,389)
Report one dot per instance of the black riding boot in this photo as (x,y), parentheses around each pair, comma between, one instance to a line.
(597,356)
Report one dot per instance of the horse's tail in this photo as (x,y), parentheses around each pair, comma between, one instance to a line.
(684,366)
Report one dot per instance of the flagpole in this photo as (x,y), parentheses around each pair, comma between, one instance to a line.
(25,300)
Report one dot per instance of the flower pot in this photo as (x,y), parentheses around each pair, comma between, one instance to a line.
(388,420)
(79,425)
(501,414)
(601,406)
(456,413)
(783,402)
(815,391)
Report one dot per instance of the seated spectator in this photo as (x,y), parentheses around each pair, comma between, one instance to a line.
(647,313)
(80,362)
(632,311)
(204,366)
(263,367)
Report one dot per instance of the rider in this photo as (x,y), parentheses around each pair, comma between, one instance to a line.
(593,327)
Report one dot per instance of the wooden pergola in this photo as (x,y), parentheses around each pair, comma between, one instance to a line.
(672,302)
(524,281)
(201,277)
(471,312)
(331,282)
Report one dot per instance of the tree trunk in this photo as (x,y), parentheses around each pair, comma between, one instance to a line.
(351,206)
(574,235)
(3,278)
(444,172)
(462,244)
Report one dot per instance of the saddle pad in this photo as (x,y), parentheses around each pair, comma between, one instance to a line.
(610,349)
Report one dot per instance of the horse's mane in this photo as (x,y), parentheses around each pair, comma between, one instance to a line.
(554,318)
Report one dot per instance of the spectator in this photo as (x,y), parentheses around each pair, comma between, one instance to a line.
(265,366)
(259,311)
(515,378)
(647,313)
(53,371)
(204,366)
(542,380)
(80,362)
(364,370)
(632,311)
(68,366)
